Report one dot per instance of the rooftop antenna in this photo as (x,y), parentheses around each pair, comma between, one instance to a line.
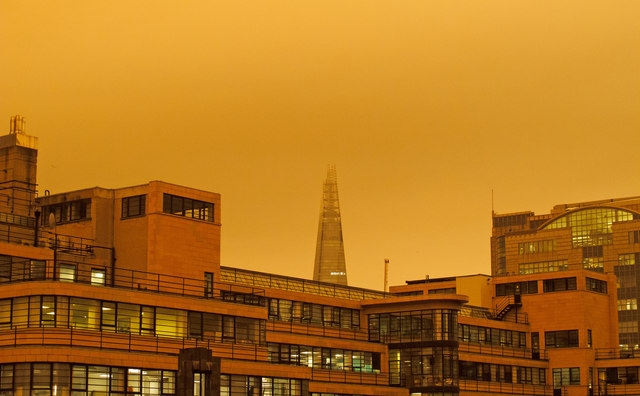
(386,275)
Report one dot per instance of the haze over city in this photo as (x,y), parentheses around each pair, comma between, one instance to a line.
(425,108)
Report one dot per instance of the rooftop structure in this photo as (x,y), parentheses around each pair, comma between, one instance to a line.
(330,264)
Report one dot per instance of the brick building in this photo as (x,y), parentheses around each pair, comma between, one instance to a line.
(121,291)
(598,235)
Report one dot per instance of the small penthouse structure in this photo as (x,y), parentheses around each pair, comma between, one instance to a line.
(121,292)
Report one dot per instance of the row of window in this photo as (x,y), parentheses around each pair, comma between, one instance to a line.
(326,358)
(116,317)
(543,266)
(501,373)
(67,212)
(559,284)
(566,376)
(561,339)
(510,289)
(628,304)
(628,258)
(619,375)
(242,385)
(536,247)
(448,290)
(323,315)
(487,335)
(13,269)
(512,220)
(80,380)
(187,207)
(423,367)
(426,325)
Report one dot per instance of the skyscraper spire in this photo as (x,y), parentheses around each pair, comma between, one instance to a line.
(330,264)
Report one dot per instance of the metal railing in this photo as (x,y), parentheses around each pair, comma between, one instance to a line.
(136,280)
(288,283)
(615,390)
(485,313)
(349,377)
(496,350)
(69,337)
(505,387)
(617,353)
(316,330)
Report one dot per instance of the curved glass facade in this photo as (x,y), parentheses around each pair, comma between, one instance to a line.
(591,227)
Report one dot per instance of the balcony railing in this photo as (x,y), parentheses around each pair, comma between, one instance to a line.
(505,387)
(349,377)
(69,337)
(497,350)
(617,353)
(28,270)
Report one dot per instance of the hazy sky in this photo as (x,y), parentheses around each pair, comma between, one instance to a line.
(424,106)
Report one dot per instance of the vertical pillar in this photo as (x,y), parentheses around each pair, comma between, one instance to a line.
(198,360)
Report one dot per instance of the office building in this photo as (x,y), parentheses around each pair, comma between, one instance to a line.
(121,292)
(599,235)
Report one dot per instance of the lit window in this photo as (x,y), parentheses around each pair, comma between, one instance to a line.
(67,272)
(98,276)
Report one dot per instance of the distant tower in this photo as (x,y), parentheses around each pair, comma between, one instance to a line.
(330,264)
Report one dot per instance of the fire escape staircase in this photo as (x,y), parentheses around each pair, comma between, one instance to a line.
(504,306)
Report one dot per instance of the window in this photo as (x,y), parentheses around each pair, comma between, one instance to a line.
(589,339)
(628,304)
(543,266)
(37,269)
(536,247)
(597,285)
(98,276)
(592,226)
(561,339)
(634,237)
(133,206)
(187,207)
(566,376)
(67,272)
(559,284)
(67,212)
(208,284)
(627,259)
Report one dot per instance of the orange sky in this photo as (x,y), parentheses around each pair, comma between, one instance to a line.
(424,106)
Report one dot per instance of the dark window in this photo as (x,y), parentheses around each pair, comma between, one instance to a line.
(561,339)
(510,289)
(559,284)
(450,290)
(133,206)
(634,237)
(67,212)
(208,284)
(596,285)
(187,207)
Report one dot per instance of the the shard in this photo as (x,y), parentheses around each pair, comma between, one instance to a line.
(330,264)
